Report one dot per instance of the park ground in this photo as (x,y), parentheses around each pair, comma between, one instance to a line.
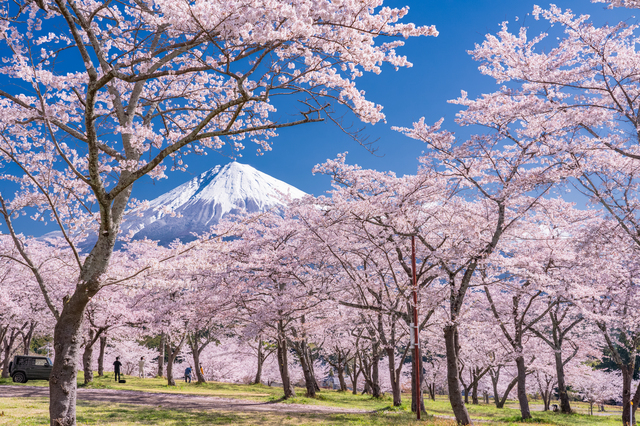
(152,402)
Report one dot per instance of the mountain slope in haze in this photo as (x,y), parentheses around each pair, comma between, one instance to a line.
(204,200)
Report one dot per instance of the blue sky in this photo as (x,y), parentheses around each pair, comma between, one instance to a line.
(442,67)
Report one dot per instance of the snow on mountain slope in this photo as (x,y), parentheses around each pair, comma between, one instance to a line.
(204,200)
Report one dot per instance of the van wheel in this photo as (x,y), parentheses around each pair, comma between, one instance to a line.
(20,378)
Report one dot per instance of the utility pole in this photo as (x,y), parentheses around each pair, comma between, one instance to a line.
(416,340)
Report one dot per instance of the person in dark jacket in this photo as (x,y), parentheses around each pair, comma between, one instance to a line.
(187,374)
(116,368)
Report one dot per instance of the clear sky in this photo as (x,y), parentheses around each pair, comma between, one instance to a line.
(441,68)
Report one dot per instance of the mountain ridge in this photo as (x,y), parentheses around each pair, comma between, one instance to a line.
(203,201)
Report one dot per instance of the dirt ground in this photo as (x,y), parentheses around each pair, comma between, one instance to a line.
(174,401)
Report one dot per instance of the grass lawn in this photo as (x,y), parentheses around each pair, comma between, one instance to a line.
(34,411)
(18,412)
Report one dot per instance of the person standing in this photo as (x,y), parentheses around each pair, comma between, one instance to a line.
(187,375)
(141,367)
(116,368)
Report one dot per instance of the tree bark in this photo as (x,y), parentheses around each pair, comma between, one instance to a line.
(546,398)
(522,388)
(170,380)
(161,356)
(474,393)
(309,380)
(172,353)
(375,372)
(565,405)
(87,358)
(261,358)
(354,372)
(67,340)
(453,380)
(26,337)
(500,401)
(283,363)
(627,380)
(395,384)
(103,345)
(195,351)
(8,343)
(343,383)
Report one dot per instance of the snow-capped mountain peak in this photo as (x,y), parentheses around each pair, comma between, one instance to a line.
(197,205)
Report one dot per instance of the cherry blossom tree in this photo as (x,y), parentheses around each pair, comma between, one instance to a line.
(596,386)
(118,89)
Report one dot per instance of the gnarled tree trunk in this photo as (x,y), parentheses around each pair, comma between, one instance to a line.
(522,388)
(172,354)
(453,379)
(283,362)
(67,336)
(565,405)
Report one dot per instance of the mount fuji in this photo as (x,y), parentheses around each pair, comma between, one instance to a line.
(197,205)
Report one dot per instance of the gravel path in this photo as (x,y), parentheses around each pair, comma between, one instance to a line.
(175,401)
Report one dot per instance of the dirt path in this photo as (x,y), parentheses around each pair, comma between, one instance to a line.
(175,401)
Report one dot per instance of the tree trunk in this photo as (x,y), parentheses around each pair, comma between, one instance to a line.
(8,342)
(66,342)
(495,376)
(26,338)
(432,391)
(309,379)
(453,380)
(474,393)
(170,380)
(375,372)
(283,363)
(627,379)
(395,384)
(353,375)
(565,406)
(195,351)
(161,356)
(307,353)
(87,358)
(343,383)
(103,345)
(172,353)
(546,398)
(500,401)
(261,358)
(522,388)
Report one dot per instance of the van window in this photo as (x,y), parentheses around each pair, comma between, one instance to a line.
(41,362)
(23,362)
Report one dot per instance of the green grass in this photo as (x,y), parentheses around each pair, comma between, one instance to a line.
(14,412)
(511,414)
(35,411)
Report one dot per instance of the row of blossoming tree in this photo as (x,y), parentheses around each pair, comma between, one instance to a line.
(517,287)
